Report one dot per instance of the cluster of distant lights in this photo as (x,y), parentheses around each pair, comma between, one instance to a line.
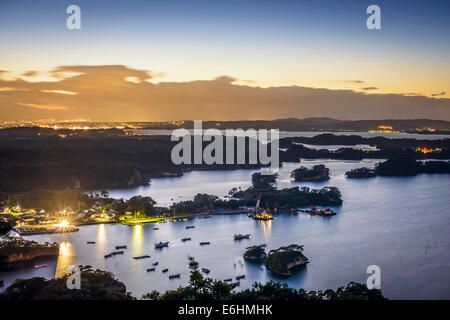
(78,124)
(426,150)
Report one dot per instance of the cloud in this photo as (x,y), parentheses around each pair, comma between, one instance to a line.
(353,81)
(226,79)
(438,94)
(103,93)
(45,107)
(60,91)
(369,88)
(30,73)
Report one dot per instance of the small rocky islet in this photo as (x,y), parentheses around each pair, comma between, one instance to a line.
(279,261)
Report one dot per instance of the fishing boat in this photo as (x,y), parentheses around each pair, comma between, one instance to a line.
(190,227)
(39,266)
(165,270)
(173,276)
(141,257)
(241,236)
(204,243)
(204,270)
(150,269)
(90,242)
(161,244)
(185,239)
(121,247)
(155,263)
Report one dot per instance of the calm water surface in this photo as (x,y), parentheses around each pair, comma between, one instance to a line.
(399,224)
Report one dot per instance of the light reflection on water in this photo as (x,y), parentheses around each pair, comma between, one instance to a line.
(66,258)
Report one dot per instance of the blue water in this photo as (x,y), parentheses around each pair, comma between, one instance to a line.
(400,224)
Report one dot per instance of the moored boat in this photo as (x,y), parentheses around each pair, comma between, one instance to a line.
(121,247)
(204,243)
(204,270)
(39,266)
(141,257)
(185,239)
(319,211)
(161,244)
(165,270)
(241,236)
(173,276)
(150,269)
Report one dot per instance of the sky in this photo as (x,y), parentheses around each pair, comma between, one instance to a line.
(224,60)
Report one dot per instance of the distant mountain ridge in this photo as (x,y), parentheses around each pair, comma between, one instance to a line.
(329,124)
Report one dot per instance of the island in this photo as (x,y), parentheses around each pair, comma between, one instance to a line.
(282,260)
(361,173)
(317,173)
(401,167)
(255,253)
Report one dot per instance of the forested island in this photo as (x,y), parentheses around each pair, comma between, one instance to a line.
(317,173)
(255,253)
(282,260)
(400,167)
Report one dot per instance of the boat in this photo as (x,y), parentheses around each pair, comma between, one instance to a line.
(236,284)
(260,215)
(205,270)
(186,239)
(190,227)
(90,242)
(141,257)
(109,255)
(241,236)
(39,266)
(228,280)
(121,247)
(155,228)
(155,263)
(240,277)
(161,244)
(150,269)
(173,276)
(319,211)
(116,252)
(165,270)
(204,243)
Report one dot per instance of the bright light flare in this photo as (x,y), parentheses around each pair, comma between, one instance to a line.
(63,224)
